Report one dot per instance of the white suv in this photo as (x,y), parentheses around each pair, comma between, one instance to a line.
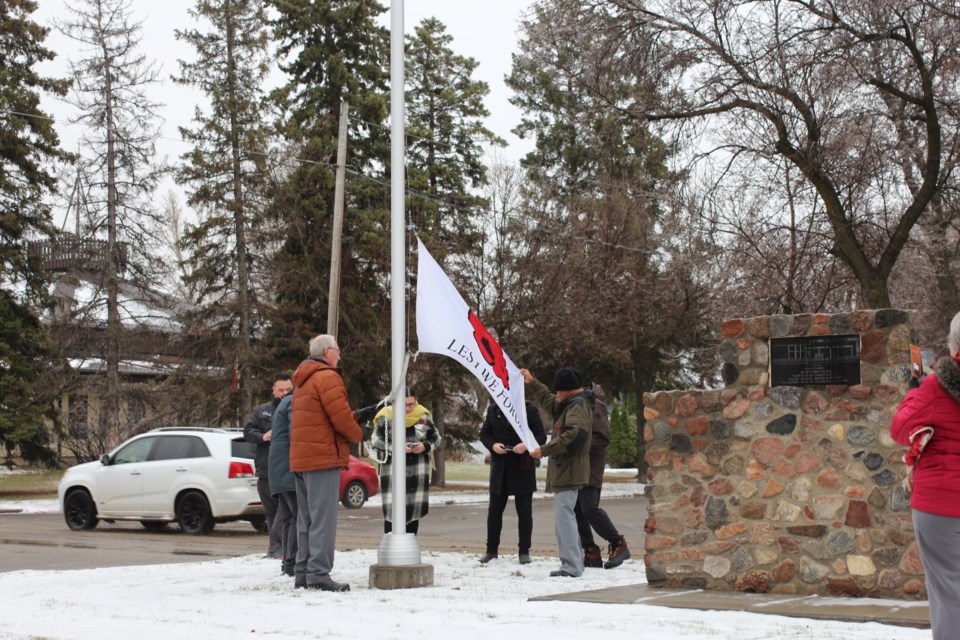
(196,476)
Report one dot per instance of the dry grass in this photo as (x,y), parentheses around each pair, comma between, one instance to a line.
(30,484)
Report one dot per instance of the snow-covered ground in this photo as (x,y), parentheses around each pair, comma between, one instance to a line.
(246,597)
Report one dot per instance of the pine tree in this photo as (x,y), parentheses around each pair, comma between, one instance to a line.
(28,146)
(226,175)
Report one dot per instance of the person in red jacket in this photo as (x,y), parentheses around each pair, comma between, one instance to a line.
(936,483)
(322,426)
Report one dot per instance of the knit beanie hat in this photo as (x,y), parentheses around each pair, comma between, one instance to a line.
(567,379)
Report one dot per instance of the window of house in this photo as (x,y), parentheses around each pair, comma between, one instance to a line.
(136,412)
(78,419)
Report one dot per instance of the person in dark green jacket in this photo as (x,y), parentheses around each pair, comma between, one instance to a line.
(569,453)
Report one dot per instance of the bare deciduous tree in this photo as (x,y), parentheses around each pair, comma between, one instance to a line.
(118,158)
(848,92)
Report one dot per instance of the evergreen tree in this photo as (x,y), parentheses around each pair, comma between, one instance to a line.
(117,158)
(622,451)
(604,237)
(332,51)
(445,130)
(226,175)
(28,146)
(445,173)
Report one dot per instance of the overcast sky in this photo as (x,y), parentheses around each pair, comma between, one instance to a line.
(485,31)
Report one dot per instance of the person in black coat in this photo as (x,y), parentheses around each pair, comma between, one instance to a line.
(512,473)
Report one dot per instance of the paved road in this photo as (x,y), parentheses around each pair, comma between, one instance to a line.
(43,541)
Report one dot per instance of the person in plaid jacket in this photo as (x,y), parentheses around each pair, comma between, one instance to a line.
(422,437)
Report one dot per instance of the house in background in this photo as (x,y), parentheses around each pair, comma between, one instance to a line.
(153,340)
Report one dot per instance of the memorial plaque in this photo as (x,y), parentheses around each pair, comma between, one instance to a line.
(814,361)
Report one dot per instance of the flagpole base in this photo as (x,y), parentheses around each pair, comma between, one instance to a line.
(398,549)
(398,564)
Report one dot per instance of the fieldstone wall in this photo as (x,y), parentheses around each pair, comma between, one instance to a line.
(790,490)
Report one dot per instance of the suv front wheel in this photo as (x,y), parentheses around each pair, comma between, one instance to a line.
(193,514)
(78,511)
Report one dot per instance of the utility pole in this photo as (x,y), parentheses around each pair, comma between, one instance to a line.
(333,307)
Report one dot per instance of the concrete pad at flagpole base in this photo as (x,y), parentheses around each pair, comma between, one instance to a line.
(412,576)
(398,564)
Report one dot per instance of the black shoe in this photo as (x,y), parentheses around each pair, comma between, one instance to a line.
(618,553)
(525,558)
(330,586)
(487,557)
(592,556)
(560,573)
(300,582)
(288,571)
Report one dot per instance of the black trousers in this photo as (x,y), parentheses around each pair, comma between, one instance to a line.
(589,514)
(524,505)
(412,527)
(274,544)
(287,523)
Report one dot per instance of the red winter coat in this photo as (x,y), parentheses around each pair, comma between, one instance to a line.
(322,425)
(936,402)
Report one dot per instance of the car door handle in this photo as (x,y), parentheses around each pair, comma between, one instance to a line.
(134,473)
(181,469)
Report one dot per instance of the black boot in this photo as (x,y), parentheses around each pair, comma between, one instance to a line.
(592,557)
(618,553)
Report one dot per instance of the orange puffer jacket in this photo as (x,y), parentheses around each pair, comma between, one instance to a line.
(322,425)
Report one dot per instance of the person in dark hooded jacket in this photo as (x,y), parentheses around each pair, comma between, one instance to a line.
(283,485)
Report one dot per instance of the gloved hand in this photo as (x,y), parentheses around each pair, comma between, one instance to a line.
(365,414)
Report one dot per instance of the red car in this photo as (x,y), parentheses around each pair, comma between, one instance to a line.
(358,482)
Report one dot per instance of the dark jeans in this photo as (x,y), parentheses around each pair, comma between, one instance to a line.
(524,505)
(412,527)
(589,514)
(286,522)
(275,544)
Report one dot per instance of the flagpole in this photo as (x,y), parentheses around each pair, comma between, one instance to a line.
(399,553)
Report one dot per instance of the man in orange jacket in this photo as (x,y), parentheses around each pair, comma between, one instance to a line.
(322,427)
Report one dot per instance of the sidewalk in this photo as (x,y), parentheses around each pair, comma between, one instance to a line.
(904,613)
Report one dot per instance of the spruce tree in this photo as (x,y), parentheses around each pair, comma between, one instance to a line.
(226,175)
(28,147)
(445,177)
(619,290)
(332,51)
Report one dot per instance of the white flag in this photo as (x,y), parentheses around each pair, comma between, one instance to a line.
(446,325)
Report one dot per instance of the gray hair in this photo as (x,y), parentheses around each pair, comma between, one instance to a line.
(953,339)
(321,343)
